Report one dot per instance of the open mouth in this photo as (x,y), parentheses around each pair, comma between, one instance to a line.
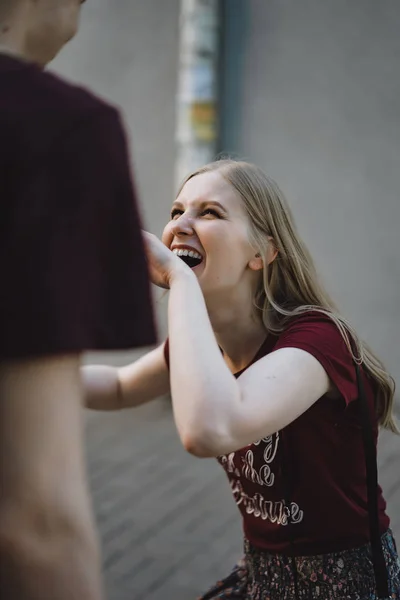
(190,257)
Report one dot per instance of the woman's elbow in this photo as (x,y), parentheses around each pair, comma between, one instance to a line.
(202,444)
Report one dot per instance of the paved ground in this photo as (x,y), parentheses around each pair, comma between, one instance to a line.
(167,520)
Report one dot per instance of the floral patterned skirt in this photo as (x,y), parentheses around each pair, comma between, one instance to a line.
(337,576)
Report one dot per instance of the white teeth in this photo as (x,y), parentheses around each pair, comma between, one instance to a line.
(185,252)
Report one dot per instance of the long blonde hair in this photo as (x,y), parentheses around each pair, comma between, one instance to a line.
(289,286)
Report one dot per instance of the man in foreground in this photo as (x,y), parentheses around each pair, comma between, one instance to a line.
(73,278)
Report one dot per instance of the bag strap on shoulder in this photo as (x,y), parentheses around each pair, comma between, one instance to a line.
(378,559)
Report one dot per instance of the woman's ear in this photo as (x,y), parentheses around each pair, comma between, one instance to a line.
(256,263)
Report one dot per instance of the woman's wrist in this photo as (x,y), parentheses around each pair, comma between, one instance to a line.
(183,273)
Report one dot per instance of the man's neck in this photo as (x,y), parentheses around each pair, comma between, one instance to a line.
(9,51)
(13,36)
(14,52)
(11,47)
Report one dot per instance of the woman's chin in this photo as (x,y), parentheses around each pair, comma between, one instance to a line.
(198,270)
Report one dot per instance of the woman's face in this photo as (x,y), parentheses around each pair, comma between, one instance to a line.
(209,228)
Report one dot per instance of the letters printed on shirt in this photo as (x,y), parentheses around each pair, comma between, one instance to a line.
(263,475)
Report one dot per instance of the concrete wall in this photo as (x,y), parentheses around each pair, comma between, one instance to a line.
(127,51)
(318,107)
(312,95)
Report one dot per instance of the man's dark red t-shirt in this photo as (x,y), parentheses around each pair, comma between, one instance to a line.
(73,271)
(320,454)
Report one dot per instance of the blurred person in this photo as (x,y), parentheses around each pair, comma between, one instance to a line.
(73,278)
(267,377)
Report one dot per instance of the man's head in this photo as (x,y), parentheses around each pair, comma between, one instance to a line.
(38,29)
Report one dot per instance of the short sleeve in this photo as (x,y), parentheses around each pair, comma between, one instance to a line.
(73,268)
(318,335)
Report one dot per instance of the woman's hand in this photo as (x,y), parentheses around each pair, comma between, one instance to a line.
(163,264)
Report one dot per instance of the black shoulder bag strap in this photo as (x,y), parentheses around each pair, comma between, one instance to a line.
(287,480)
(378,559)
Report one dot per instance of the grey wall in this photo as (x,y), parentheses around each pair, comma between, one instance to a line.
(127,51)
(319,109)
(313,97)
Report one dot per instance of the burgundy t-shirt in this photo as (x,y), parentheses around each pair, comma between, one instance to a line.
(323,449)
(73,271)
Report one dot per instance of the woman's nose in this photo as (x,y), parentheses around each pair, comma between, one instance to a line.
(183,225)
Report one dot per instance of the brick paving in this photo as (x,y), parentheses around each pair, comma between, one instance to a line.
(168,523)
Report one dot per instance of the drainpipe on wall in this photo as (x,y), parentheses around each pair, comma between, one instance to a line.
(197,93)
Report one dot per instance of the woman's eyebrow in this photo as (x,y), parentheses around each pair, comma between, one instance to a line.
(201,204)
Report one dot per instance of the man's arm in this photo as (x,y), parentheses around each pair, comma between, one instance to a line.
(48,545)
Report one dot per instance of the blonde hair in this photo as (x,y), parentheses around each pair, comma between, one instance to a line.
(289,285)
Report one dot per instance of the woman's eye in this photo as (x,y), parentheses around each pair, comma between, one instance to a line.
(176,212)
(211,211)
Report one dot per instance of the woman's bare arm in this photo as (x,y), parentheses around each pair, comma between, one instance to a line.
(112,388)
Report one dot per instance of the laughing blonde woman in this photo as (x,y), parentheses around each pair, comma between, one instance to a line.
(268,378)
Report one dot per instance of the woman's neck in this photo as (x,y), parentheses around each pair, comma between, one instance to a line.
(239,335)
